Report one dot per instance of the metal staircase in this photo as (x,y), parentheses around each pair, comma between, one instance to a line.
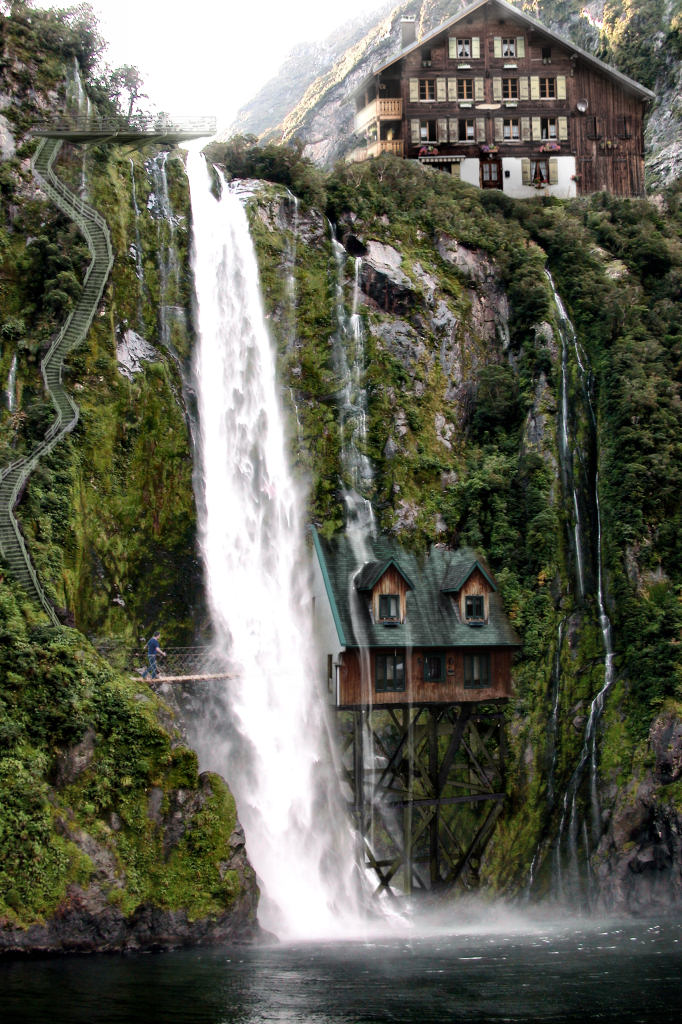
(73,333)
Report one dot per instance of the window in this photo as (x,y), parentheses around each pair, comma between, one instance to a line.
(389,607)
(463,48)
(426,58)
(427,89)
(623,129)
(539,172)
(389,672)
(474,607)
(434,668)
(548,128)
(427,131)
(510,88)
(509,47)
(510,129)
(465,88)
(547,88)
(547,53)
(591,128)
(466,132)
(476,671)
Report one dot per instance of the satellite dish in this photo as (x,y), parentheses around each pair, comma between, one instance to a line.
(582,106)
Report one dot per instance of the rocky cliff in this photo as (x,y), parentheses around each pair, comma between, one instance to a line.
(471,380)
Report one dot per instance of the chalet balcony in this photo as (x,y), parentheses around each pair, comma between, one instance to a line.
(394,146)
(379,109)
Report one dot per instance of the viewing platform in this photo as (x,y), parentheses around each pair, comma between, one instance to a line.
(162,129)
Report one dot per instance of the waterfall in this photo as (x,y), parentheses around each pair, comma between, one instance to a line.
(566,456)
(11,391)
(588,752)
(266,728)
(136,250)
(167,259)
(349,365)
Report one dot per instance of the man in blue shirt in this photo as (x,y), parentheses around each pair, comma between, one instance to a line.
(153,649)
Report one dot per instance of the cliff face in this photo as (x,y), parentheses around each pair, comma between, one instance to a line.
(470,378)
(314,107)
(109,838)
(469,382)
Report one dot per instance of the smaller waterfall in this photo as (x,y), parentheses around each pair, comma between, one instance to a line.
(167,259)
(588,752)
(137,249)
(11,389)
(566,455)
(553,730)
(349,365)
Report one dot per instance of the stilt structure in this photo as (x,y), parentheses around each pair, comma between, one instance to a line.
(425,785)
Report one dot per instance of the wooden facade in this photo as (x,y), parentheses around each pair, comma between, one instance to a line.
(358,680)
(500,101)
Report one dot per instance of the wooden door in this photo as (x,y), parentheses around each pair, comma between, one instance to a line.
(491,173)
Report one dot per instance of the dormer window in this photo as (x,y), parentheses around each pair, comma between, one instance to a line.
(474,610)
(389,607)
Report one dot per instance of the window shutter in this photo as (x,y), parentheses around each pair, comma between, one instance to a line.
(442,129)
(523,87)
(414,130)
(414,90)
(561,87)
(534,87)
(525,129)
(480,129)
(553,171)
(537,130)
(456,170)
(525,171)
(476,47)
(520,46)
(499,135)
(452,90)
(454,129)
(479,90)
(497,46)
(440,90)
(497,90)
(452,48)
(563,129)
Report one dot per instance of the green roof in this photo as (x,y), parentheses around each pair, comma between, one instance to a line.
(432,618)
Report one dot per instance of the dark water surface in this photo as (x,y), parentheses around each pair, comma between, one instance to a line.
(597,971)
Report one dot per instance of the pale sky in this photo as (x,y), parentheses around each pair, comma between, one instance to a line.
(207,56)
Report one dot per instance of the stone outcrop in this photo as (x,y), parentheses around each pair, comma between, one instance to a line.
(89,918)
(639,860)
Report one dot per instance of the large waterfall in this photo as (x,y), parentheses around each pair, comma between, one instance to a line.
(265,728)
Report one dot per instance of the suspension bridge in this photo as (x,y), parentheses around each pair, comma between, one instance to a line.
(177,665)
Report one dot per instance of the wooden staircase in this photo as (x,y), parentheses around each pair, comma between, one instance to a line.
(74,331)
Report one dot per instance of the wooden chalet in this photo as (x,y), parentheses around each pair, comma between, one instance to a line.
(400,630)
(500,101)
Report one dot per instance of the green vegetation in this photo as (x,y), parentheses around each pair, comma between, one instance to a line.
(82,754)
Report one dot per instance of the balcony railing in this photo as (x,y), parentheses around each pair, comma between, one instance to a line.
(388,109)
(394,146)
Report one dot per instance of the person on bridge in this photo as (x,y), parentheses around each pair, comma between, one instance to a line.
(153,651)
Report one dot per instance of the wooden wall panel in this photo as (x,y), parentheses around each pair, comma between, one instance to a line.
(356,678)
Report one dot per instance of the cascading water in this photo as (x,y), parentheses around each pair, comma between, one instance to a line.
(11,390)
(588,752)
(349,366)
(167,257)
(265,729)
